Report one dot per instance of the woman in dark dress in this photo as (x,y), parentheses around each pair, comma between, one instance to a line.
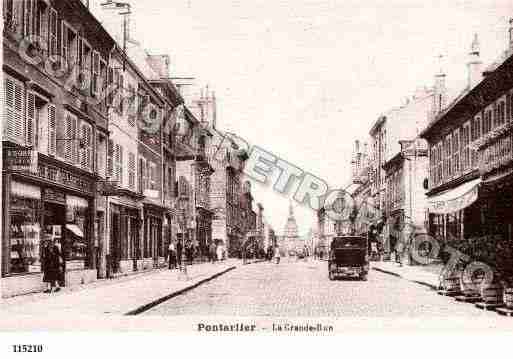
(52,267)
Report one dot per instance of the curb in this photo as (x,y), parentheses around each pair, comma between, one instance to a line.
(158,301)
(431,286)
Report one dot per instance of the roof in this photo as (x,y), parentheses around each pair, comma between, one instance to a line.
(478,95)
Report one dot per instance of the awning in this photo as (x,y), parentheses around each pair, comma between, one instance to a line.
(75,230)
(455,199)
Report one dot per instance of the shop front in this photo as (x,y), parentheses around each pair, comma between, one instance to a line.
(124,233)
(495,156)
(204,231)
(457,213)
(153,248)
(38,211)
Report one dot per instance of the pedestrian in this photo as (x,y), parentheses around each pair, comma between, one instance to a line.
(179,252)
(189,252)
(277,254)
(172,255)
(213,252)
(52,262)
(399,249)
(219,253)
(393,243)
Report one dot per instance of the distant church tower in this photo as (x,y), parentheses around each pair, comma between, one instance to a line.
(290,239)
(291,230)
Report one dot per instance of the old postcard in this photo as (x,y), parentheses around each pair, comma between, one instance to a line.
(256,167)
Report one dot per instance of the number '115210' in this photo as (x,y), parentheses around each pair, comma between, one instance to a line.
(28,348)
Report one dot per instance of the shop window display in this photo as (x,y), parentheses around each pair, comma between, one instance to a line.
(25,230)
(76,236)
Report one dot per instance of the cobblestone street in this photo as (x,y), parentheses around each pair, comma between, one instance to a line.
(303,289)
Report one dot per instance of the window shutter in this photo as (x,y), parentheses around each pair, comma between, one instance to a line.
(131,170)
(74,137)
(52,143)
(68,134)
(89,148)
(9,108)
(31,119)
(83,149)
(110,158)
(116,163)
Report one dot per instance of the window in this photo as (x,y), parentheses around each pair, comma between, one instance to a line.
(69,138)
(142,175)
(510,106)
(439,163)
(96,71)
(447,167)
(53,29)
(464,145)
(36,18)
(171,181)
(152,170)
(487,121)
(69,44)
(40,26)
(501,113)
(119,81)
(13,111)
(110,83)
(131,108)
(475,131)
(456,152)
(52,136)
(131,170)
(431,166)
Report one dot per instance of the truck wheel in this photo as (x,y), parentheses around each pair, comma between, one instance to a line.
(331,275)
(363,277)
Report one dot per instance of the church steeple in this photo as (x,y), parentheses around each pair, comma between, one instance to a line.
(291,230)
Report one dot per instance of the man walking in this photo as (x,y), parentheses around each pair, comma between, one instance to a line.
(172,255)
(179,249)
(212,252)
(277,254)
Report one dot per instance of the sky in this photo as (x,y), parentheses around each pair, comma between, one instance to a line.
(303,79)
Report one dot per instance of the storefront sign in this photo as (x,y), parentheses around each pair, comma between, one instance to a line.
(22,159)
(108,188)
(455,204)
(51,195)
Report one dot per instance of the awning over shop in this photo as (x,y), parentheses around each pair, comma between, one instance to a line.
(75,230)
(455,199)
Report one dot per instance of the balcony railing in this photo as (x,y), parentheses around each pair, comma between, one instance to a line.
(496,150)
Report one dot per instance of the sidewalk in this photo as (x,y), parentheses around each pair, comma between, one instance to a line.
(425,275)
(118,297)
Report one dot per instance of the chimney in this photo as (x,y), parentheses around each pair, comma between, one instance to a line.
(440,92)
(475,74)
